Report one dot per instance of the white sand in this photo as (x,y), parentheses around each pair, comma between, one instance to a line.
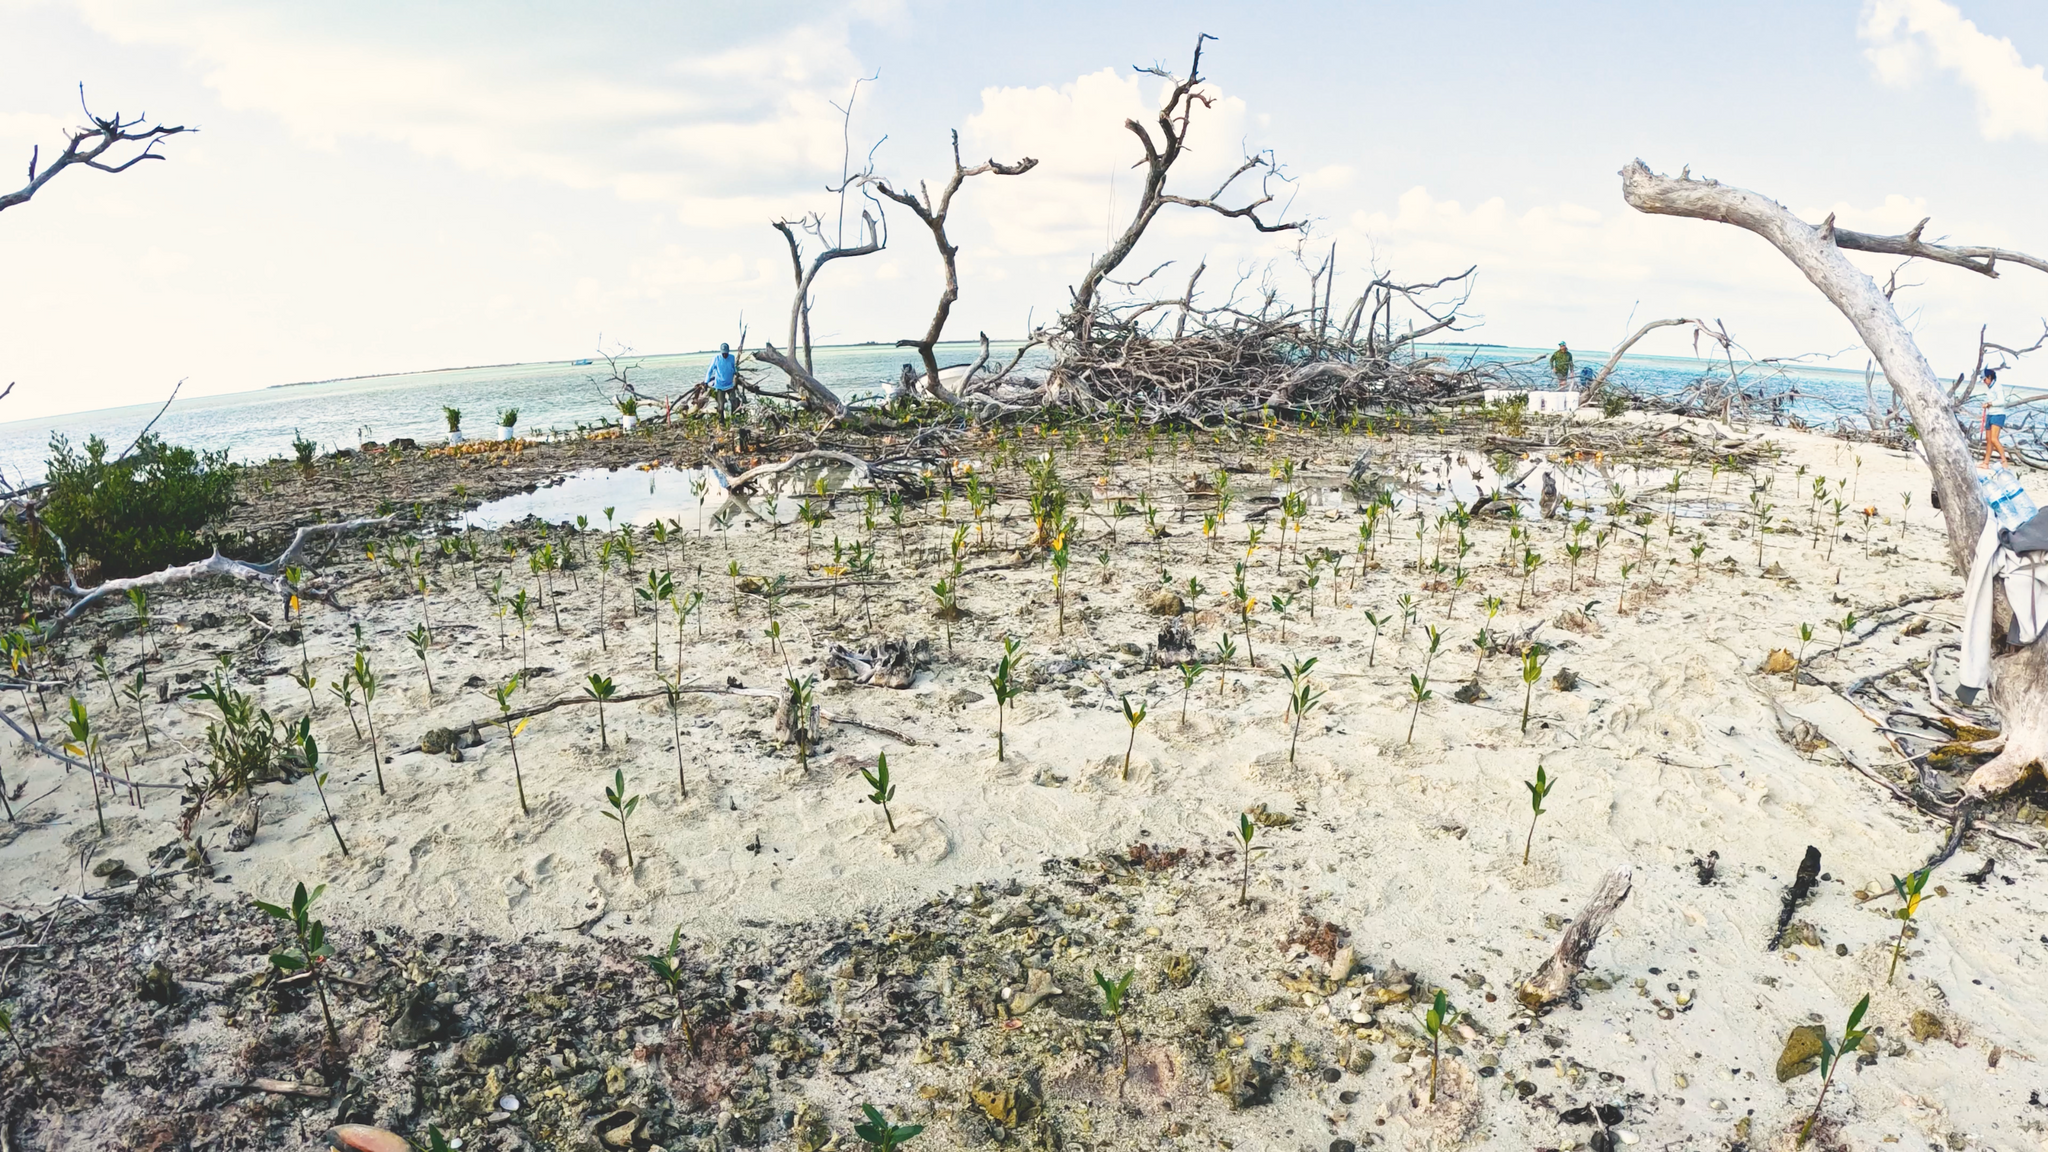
(1670,747)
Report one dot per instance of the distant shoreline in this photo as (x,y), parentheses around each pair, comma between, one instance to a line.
(563,363)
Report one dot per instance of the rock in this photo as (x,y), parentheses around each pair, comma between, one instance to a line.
(1178,968)
(1802,1052)
(1573,620)
(1246,1081)
(1165,602)
(157,987)
(617,1129)
(442,742)
(485,1049)
(1779,662)
(1470,693)
(800,992)
(1038,986)
(363,1138)
(1927,1026)
(419,1019)
(243,833)
(1565,681)
(114,872)
(1175,646)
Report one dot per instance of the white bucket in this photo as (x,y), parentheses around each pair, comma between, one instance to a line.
(504,431)
(454,437)
(628,423)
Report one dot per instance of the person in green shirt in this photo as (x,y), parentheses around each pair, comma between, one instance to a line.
(1561,363)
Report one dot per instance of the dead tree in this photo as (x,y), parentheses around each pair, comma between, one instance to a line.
(2019,685)
(90,147)
(1607,369)
(836,248)
(933,216)
(1183,95)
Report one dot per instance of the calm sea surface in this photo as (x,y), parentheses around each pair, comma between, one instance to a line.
(260,425)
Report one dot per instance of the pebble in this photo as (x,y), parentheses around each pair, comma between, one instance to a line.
(508,1103)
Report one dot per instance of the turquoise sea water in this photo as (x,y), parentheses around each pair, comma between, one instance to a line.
(260,425)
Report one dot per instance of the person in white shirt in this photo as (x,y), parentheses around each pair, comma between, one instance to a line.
(1996,400)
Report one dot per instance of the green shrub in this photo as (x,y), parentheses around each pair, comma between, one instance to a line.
(126,517)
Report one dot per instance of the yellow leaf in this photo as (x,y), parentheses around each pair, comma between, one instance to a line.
(74,749)
(295,603)
(522,726)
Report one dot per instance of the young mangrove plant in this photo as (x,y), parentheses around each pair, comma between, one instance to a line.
(883,790)
(1532,671)
(600,689)
(667,966)
(423,642)
(310,938)
(1418,686)
(522,610)
(880,1135)
(673,691)
(1190,671)
(1539,790)
(1114,993)
(309,755)
(503,695)
(1244,612)
(659,588)
(1133,717)
(622,806)
(366,679)
(1908,890)
(802,697)
(1439,1017)
(85,744)
(1378,622)
(1301,697)
(1831,1058)
(947,595)
(344,690)
(1006,686)
(1246,831)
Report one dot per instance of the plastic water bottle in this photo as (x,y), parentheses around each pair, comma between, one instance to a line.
(2009,503)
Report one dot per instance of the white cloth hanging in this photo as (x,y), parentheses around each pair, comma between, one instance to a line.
(2025,576)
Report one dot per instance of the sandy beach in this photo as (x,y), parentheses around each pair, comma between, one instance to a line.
(945,971)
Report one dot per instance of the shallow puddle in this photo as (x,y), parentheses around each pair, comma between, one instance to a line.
(692,498)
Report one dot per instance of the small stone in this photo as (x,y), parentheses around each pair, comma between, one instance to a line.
(1927,1026)
(508,1103)
(485,1049)
(157,985)
(1165,602)
(1801,1053)
(1779,662)
(1342,1145)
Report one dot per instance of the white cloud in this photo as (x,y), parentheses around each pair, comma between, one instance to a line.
(649,119)
(1905,36)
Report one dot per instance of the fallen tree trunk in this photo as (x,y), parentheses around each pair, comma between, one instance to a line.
(270,574)
(2019,684)
(815,392)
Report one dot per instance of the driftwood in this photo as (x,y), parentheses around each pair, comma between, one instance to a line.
(1553,981)
(813,390)
(2019,685)
(270,574)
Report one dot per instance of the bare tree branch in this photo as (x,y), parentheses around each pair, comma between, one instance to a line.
(90,147)
(932,214)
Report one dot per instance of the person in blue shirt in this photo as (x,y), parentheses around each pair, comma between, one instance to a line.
(722,376)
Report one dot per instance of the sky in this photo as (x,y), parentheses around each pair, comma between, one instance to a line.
(381,187)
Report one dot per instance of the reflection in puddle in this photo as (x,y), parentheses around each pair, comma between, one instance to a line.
(639,496)
(1462,477)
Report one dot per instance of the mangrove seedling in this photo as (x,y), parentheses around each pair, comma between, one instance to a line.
(1539,790)
(1190,671)
(1006,686)
(1378,622)
(622,806)
(7,1026)
(422,642)
(503,695)
(1908,891)
(802,703)
(684,606)
(1439,1017)
(1418,690)
(660,586)
(1133,717)
(668,968)
(133,690)
(600,689)
(1246,830)
(1831,1058)
(1843,627)
(949,608)
(366,679)
(139,599)
(310,936)
(344,690)
(883,790)
(1244,611)
(880,1135)
(673,690)
(85,744)
(1113,994)
(522,610)
(1301,697)
(1532,671)
(309,752)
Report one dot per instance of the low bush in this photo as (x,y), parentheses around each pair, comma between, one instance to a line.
(123,517)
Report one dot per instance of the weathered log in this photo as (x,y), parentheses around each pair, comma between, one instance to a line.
(1553,981)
